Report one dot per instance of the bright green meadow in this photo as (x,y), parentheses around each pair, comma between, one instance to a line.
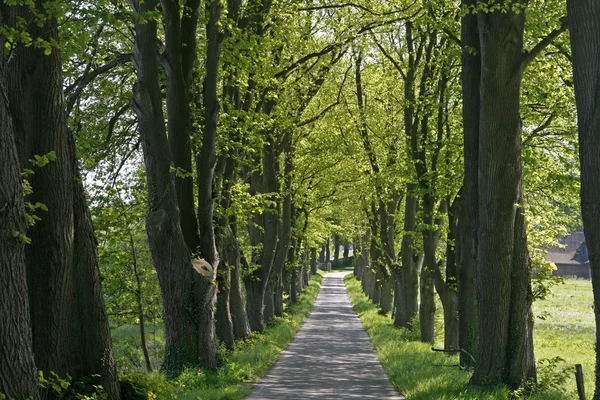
(564,328)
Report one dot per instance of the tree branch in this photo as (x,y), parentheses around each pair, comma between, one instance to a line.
(529,56)
(389,57)
(354,5)
(72,92)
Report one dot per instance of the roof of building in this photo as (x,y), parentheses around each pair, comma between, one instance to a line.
(571,252)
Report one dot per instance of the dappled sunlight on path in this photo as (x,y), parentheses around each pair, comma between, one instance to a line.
(330,357)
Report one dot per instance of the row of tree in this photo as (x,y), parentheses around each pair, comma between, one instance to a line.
(465,235)
(209,214)
(244,134)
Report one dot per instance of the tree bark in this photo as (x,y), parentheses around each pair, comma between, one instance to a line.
(170,253)
(269,312)
(69,324)
(223,319)
(584,25)
(285,231)
(180,45)
(313,261)
(427,305)
(241,326)
(256,284)
(336,248)
(294,285)
(18,373)
(451,329)
(505,352)
(469,211)
(407,297)
(346,252)
(93,332)
(278,298)
(140,305)
(205,165)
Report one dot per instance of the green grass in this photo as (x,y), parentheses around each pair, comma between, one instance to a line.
(418,372)
(566,330)
(232,380)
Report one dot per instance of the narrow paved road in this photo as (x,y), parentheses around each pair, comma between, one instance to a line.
(330,357)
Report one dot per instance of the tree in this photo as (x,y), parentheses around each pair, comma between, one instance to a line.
(584,26)
(469,206)
(69,325)
(503,260)
(170,253)
(18,373)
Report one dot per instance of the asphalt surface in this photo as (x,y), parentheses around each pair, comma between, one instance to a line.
(330,357)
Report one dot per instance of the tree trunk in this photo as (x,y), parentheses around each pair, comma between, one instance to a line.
(313,261)
(35,95)
(386,301)
(376,289)
(96,357)
(205,165)
(346,253)
(241,326)
(170,253)
(285,231)
(223,319)
(18,373)
(305,273)
(294,286)
(336,248)
(584,25)
(269,312)
(505,343)
(140,305)
(279,297)
(450,304)
(327,250)
(180,49)
(256,284)
(468,217)
(255,295)
(69,325)
(427,305)
(407,298)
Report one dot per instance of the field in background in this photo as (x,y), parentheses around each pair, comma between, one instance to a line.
(566,331)
(565,328)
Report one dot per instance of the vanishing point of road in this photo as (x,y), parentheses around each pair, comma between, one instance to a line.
(331,356)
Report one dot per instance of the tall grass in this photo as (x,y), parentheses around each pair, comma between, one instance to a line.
(238,369)
(418,372)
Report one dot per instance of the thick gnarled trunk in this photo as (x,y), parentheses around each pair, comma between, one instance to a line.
(504,303)
(170,253)
(69,324)
(584,25)
(18,373)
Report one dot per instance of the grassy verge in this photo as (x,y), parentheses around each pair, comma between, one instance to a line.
(565,328)
(247,363)
(415,370)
